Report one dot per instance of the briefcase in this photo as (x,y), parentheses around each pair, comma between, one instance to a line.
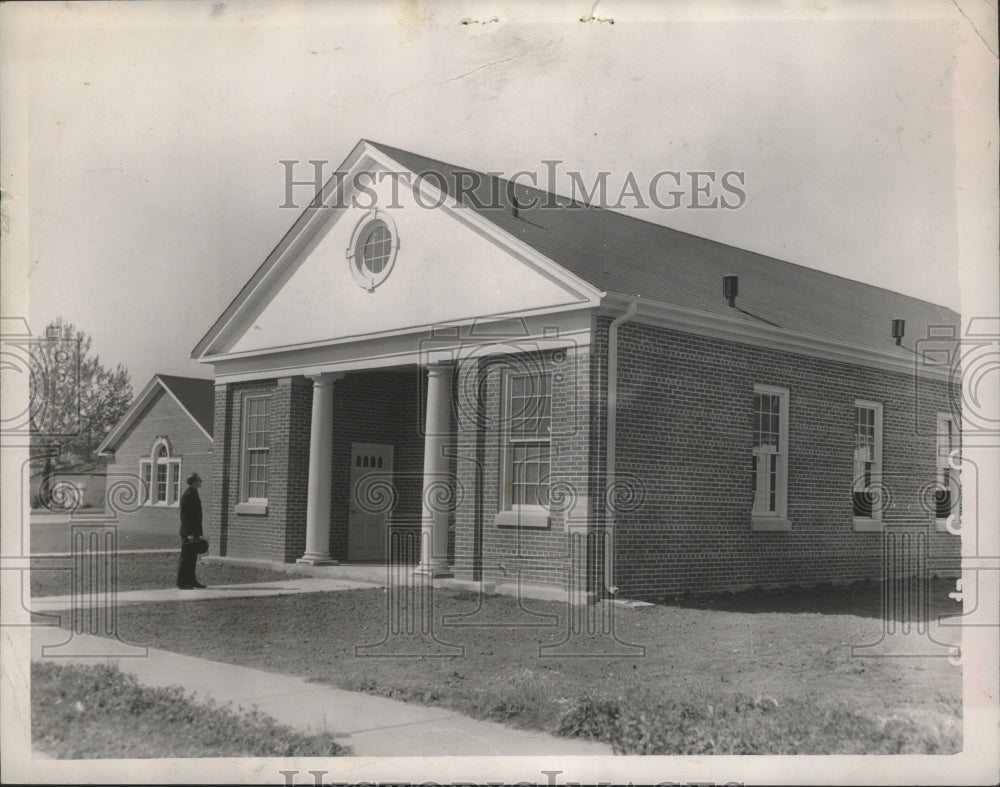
(199,546)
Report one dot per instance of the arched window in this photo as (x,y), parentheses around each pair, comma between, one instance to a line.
(161,475)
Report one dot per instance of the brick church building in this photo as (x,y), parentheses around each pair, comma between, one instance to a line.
(526,388)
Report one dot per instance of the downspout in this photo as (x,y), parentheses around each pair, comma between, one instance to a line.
(609,459)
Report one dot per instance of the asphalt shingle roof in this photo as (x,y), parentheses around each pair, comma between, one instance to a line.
(619,253)
(197,396)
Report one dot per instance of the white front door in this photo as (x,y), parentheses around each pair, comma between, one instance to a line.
(366,538)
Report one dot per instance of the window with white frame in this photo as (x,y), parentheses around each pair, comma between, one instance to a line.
(527,441)
(946,493)
(867,461)
(373,249)
(161,476)
(256,448)
(770,453)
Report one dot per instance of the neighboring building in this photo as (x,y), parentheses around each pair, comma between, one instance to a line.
(480,362)
(164,437)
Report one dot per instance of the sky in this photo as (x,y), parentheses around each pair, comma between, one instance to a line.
(154,133)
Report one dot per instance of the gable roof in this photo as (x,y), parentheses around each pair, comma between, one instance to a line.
(621,255)
(195,396)
(618,253)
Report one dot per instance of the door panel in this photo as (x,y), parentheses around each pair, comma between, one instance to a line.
(366,530)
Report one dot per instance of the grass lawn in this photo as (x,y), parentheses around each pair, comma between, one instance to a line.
(51,532)
(49,537)
(95,711)
(761,672)
(147,572)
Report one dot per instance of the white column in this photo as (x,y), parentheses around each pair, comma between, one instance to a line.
(437,430)
(320,466)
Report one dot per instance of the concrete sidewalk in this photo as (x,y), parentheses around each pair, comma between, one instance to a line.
(371,726)
(293,584)
(380,574)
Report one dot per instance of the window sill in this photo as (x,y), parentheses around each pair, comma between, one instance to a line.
(770,523)
(254,509)
(520,518)
(867,525)
(162,505)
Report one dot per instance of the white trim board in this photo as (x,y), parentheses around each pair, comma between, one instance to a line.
(718,327)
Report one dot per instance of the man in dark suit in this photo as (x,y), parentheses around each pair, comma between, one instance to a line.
(191,533)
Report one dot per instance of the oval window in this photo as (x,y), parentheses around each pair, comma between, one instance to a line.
(373,249)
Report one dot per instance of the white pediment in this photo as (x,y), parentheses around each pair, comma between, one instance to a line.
(451,266)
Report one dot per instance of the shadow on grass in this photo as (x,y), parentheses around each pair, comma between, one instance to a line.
(905,600)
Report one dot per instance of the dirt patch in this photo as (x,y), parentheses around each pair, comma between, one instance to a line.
(368,640)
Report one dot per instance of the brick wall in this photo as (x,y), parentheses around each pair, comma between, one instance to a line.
(684,428)
(217,514)
(684,435)
(161,418)
(280,533)
(294,406)
(484,549)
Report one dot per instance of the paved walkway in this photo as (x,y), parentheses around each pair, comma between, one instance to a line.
(370,725)
(48,555)
(293,584)
(46,517)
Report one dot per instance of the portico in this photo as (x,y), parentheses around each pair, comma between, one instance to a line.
(347,370)
(434,485)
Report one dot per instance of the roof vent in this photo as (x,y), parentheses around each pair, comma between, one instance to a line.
(898,330)
(515,206)
(731,288)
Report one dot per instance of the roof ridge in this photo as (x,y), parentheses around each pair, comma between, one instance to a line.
(583,204)
(181,377)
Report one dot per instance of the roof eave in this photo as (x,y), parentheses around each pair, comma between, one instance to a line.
(719,326)
(144,398)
